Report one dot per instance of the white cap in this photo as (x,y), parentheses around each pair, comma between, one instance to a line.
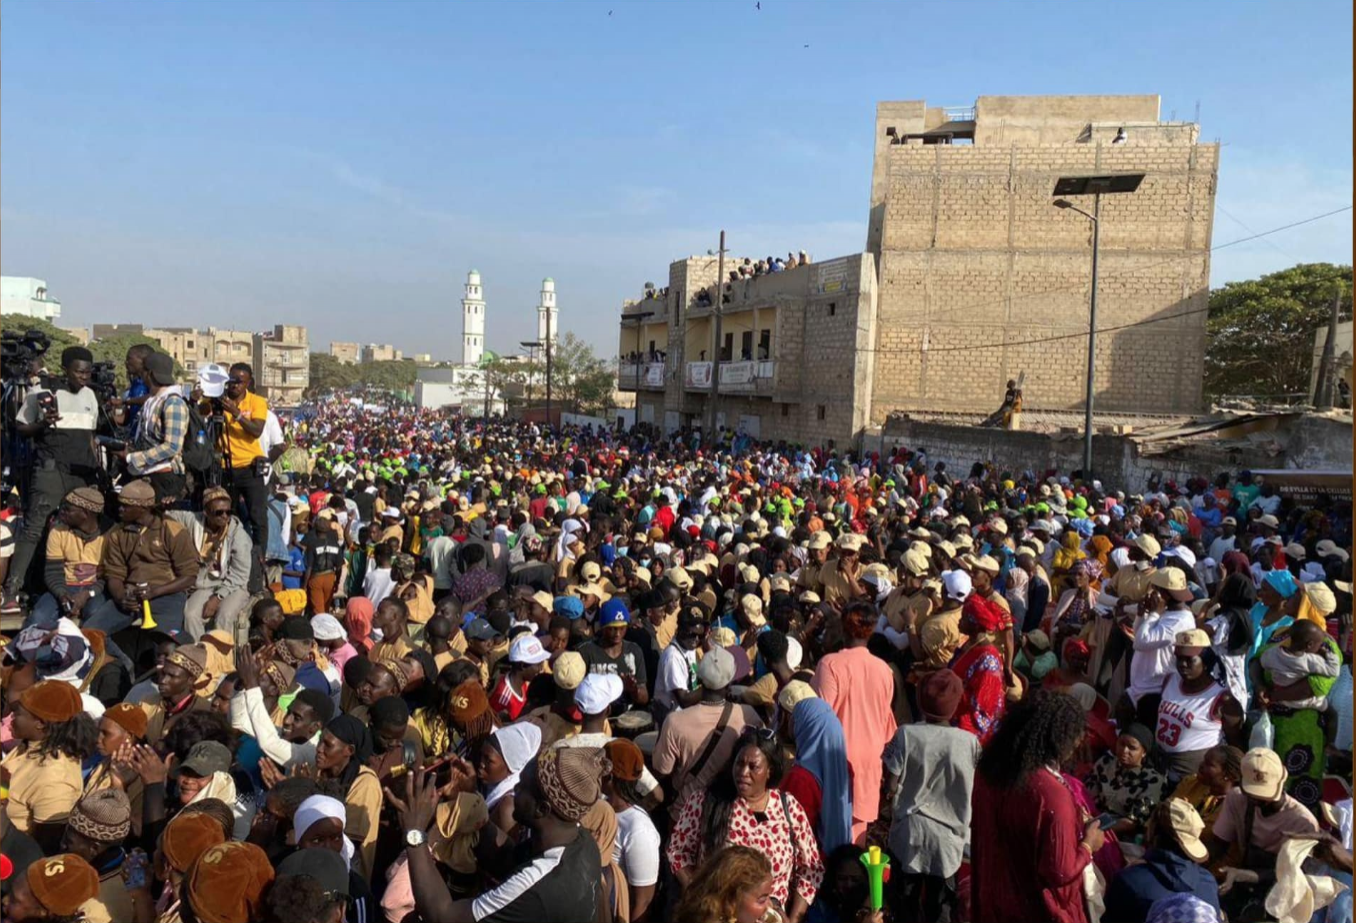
(212,379)
(957,584)
(326,627)
(527,648)
(597,692)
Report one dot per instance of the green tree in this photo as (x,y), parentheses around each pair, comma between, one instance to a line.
(328,374)
(1261,332)
(579,378)
(114,349)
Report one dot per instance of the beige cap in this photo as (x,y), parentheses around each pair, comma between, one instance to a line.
(986,563)
(810,597)
(1328,548)
(1187,827)
(568,669)
(545,600)
(849,541)
(947,549)
(1321,597)
(963,541)
(590,572)
(1296,551)
(819,541)
(723,636)
(922,548)
(1264,775)
(1172,581)
(914,563)
(999,526)
(753,609)
(793,693)
(1194,638)
(679,578)
(1149,545)
(1268,520)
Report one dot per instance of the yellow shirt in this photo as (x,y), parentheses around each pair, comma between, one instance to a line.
(390,650)
(940,636)
(362,810)
(42,790)
(243,447)
(839,588)
(79,556)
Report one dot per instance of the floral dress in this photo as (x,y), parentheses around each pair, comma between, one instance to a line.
(782,833)
(1130,793)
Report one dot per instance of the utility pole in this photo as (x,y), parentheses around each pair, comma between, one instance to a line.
(1327,364)
(1092,341)
(715,353)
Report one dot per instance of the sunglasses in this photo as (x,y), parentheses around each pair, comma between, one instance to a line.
(760,733)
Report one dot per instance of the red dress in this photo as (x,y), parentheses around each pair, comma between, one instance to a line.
(1025,860)
(981,670)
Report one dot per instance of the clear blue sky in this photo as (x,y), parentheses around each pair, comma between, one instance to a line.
(344,164)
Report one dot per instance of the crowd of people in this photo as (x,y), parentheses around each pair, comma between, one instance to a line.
(408,666)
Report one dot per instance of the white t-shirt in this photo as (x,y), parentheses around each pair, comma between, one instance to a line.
(636,848)
(272,434)
(377,585)
(675,673)
(1155,642)
(1189,721)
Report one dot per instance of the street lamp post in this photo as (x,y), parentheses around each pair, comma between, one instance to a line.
(1094,186)
(531,346)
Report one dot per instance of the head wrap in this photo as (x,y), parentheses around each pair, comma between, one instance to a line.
(988,615)
(822,751)
(62,883)
(188,836)
(52,701)
(1282,582)
(1141,734)
(1091,567)
(315,809)
(281,675)
(571,780)
(103,815)
(85,498)
(353,732)
(358,621)
(227,883)
(1182,907)
(518,744)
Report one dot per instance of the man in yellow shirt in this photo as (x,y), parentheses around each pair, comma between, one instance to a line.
(243,461)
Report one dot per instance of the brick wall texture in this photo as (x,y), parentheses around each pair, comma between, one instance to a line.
(975,261)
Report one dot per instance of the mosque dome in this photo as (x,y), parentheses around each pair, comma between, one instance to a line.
(548,284)
(473,277)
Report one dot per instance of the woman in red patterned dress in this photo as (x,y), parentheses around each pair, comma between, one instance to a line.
(743,808)
(980,667)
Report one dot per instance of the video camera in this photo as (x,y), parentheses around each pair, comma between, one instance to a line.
(103,381)
(18,351)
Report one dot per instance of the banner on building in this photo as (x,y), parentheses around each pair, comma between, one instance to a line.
(698,375)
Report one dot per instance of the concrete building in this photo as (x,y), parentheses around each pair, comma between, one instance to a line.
(190,348)
(282,364)
(980,276)
(349,353)
(27,297)
(81,334)
(970,277)
(379,352)
(472,320)
(458,387)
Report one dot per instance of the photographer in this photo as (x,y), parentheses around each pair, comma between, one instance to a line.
(246,414)
(162,426)
(61,424)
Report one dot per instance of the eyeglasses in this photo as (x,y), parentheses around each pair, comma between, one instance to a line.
(760,733)
(235,381)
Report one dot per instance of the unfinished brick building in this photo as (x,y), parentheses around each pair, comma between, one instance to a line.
(970,277)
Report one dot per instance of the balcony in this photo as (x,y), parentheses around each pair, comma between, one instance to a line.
(641,376)
(747,377)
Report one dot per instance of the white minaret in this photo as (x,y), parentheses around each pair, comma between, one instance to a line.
(472,320)
(546,311)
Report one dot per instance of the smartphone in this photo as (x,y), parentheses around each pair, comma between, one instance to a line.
(47,402)
(136,868)
(1107,821)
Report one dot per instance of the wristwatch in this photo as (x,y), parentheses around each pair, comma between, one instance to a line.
(415,838)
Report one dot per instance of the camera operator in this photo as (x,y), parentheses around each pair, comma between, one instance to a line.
(244,462)
(61,424)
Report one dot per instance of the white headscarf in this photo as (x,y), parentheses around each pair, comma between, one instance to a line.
(518,743)
(317,808)
(567,529)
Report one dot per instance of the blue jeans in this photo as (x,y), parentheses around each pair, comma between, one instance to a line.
(46,611)
(168,612)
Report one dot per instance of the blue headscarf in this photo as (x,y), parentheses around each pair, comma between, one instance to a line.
(822,751)
(1281,580)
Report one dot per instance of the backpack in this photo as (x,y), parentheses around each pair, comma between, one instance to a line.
(199,454)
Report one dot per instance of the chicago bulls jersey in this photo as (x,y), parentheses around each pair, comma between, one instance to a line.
(1189,721)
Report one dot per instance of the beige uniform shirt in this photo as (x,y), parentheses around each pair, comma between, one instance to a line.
(42,790)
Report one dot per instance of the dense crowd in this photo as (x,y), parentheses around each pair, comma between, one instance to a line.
(375,663)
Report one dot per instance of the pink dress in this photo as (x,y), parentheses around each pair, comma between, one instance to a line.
(860,688)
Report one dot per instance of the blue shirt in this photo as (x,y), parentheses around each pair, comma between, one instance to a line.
(1162,874)
(136,388)
(296,561)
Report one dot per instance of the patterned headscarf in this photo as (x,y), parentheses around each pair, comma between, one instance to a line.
(1183,907)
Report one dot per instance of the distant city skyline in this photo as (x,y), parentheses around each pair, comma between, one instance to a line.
(343,165)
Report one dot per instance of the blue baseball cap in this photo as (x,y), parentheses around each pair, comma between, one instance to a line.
(614,612)
(572,607)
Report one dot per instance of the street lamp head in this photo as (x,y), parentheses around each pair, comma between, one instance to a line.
(1062,203)
(710,252)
